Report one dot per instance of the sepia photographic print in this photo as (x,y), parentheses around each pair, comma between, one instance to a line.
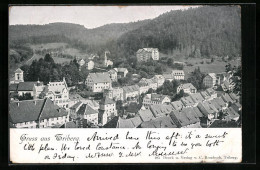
(163,77)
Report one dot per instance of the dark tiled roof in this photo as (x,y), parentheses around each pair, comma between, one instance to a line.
(112,123)
(75,97)
(32,110)
(136,121)
(129,89)
(100,77)
(223,124)
(196,97)
(220,101)
(76,105)
(205,95)
(25,111)
(227,98)
(198,112)
(125,123)
(50,110)
(159,110)
(191,115)
(26,86)
(180,117)
(86,109)
(160,122)
(146,115)
(177,105)
(158,97)
(187,101)
(13,87)
(210,91)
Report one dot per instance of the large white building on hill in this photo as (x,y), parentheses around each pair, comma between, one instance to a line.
(145,54)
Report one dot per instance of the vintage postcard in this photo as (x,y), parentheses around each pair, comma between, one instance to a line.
(125,84)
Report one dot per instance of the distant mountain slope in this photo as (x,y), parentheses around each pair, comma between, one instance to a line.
(67,31)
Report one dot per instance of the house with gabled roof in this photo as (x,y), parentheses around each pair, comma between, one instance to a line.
(154,98)
(231,114)
(178,74)
(207,110)
(108,106)
(88,113)
(121,72)
(185,119)
(227,98)
(187,88)
(113,75)
(97,82)
(58,92)
(150,82)
(210,80)
(212,93)
(27,87)
(159,79)
(115,93)
(196,97)
(159,122)
(143,87)
(145,114)
(18,76)
(177,105)
(118,122)
(187,101)
(160,110)
(205,95)
(168,76)
(42,113)
(130,91)
(145,54)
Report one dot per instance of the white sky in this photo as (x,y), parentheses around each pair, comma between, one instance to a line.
(89,16)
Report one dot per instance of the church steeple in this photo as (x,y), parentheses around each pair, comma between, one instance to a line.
(18,75)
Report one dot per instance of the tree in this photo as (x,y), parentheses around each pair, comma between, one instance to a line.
(228,67)
(237,80)
(196,78)
(179,95)
(119,107)
(150,90)
(48,58)
(26,96)
(115,84)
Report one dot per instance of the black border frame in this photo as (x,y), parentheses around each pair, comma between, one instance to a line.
(248,23)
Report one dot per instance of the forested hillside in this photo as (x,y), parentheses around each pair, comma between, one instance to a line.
(197,32)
